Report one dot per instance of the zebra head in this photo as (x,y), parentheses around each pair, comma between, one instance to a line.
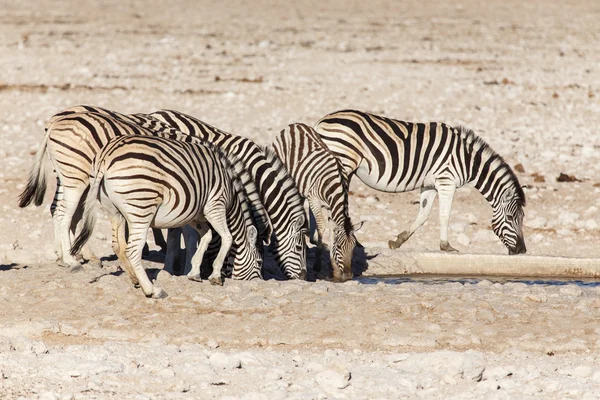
(507,221)
(343,244)
(290,248)
(249,257)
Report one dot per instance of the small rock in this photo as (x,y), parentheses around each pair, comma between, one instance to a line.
(582,371)
(166,373)
(314,367)
(330,380)
(571,290)
(212,343)
(220,360)
(371,200)
(163,276)
(274,374)
(463,240)
(202,300)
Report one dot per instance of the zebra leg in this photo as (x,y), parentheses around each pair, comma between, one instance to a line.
(56,210)
(138,232)
(173,249)
(159,239)
(70,204)
(219,224)
(425,205)
(191,238)
(119,244)
(319,230)
(446,189)
(205,234)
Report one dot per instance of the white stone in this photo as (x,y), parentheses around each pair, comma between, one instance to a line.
(166,373)
(330,380)
(212,343)
(582,371)
(371,200)
(463,240)
(471,218)
(592,210)
(220,360)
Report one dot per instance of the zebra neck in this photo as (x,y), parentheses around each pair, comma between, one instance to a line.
(492,178)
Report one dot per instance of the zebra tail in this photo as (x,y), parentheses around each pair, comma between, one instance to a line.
(36,184)
(90,211)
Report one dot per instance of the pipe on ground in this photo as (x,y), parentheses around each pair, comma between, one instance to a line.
(393,262)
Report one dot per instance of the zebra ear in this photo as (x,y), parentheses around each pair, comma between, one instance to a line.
(357,226)
(252,234)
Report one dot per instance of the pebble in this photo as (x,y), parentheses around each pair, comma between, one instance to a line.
(220,360)
(212,343)
(330,380)
(463,240)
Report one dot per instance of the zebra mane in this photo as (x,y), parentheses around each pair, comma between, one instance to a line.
(283,175)
(476,143)
(246,191)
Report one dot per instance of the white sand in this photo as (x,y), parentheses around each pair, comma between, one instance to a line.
(523,76)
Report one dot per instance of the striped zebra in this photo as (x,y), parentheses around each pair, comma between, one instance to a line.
(145,181)
(399,156)
(323,183)
(57,207)
(277,190)
(72,140)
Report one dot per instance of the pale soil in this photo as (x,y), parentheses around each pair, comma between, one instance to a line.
(523,75)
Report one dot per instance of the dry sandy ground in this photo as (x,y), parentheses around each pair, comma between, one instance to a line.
(524,75)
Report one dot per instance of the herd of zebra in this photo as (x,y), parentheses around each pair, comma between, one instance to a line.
(231,197)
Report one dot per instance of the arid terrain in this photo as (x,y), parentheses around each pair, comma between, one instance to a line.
(523,75)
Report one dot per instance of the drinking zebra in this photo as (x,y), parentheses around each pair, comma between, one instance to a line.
(277,190)
(72,140)
(152,181)
(321,180)
(398,156)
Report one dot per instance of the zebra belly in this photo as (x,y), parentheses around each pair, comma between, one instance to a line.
(168,217)
(385,184)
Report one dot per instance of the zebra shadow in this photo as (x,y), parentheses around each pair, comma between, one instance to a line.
(8,267)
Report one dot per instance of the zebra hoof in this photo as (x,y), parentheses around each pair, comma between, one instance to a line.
(216,281)
(158,293)
(196,278)
(393,245)
(445,246)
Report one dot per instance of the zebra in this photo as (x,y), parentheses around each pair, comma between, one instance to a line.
(277,190)
(57,206)
(73,138)
(322,181)
(398,156)
(145,180)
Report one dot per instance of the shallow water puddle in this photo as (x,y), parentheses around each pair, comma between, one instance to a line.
(440,279)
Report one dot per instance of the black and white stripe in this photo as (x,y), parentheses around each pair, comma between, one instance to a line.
(276,188)
(152,181)
(323,183)
(398,156)
(73,138)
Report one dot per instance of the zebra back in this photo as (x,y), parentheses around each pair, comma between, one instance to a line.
(277,190)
